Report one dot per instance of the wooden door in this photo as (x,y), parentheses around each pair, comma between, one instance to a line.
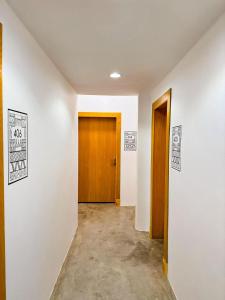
(160,172)
(2,222)
(97,159)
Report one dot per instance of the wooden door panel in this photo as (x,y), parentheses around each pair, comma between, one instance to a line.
(161,110)
(2,222)
(159,161)
(97,151)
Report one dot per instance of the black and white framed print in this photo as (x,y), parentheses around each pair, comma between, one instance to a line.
(176,148)
(17,146)
(130,140)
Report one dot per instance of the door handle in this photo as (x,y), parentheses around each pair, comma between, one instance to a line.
(114,161)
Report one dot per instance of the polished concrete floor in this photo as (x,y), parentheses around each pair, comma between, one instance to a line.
(110,260)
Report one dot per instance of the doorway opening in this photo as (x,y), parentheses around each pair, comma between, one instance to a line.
(99,136)
(160,172)
(2,220)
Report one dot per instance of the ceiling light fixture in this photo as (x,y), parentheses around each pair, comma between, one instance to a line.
(115,75)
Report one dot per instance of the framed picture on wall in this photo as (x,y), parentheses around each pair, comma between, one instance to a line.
(176,148)
(130,140)
(17,146)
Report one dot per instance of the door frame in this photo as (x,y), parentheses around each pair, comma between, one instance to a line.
(164,100)
(117,116)
(2,220)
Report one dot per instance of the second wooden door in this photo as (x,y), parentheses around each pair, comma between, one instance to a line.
(97,159)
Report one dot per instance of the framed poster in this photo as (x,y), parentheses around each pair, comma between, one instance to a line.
(176,147)
(17,146)
(130,140)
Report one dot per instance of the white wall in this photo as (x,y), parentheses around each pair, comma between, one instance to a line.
(40,211)
(128,106)
(197,194)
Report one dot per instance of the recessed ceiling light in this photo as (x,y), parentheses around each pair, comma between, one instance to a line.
(115,75)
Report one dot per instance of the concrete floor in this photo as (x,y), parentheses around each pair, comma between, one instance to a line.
(110,260)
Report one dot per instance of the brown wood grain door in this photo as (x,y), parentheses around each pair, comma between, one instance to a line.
(158,180)
(97,159)
(160,172)
(2,222)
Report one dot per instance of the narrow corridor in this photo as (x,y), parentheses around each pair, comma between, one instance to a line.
(110,260)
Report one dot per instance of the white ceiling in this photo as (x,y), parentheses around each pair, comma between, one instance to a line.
(142,39)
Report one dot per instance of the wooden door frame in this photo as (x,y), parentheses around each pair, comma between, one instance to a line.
(2,220)
(165,99)
(116,116)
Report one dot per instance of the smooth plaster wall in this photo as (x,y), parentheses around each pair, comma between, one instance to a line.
(41,210)
(128,106)
(197,193)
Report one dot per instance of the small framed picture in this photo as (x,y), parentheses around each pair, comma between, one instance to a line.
(130,140)
(17,146)
(176,148)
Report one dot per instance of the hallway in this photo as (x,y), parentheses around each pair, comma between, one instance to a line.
(110,260)
(120,103)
